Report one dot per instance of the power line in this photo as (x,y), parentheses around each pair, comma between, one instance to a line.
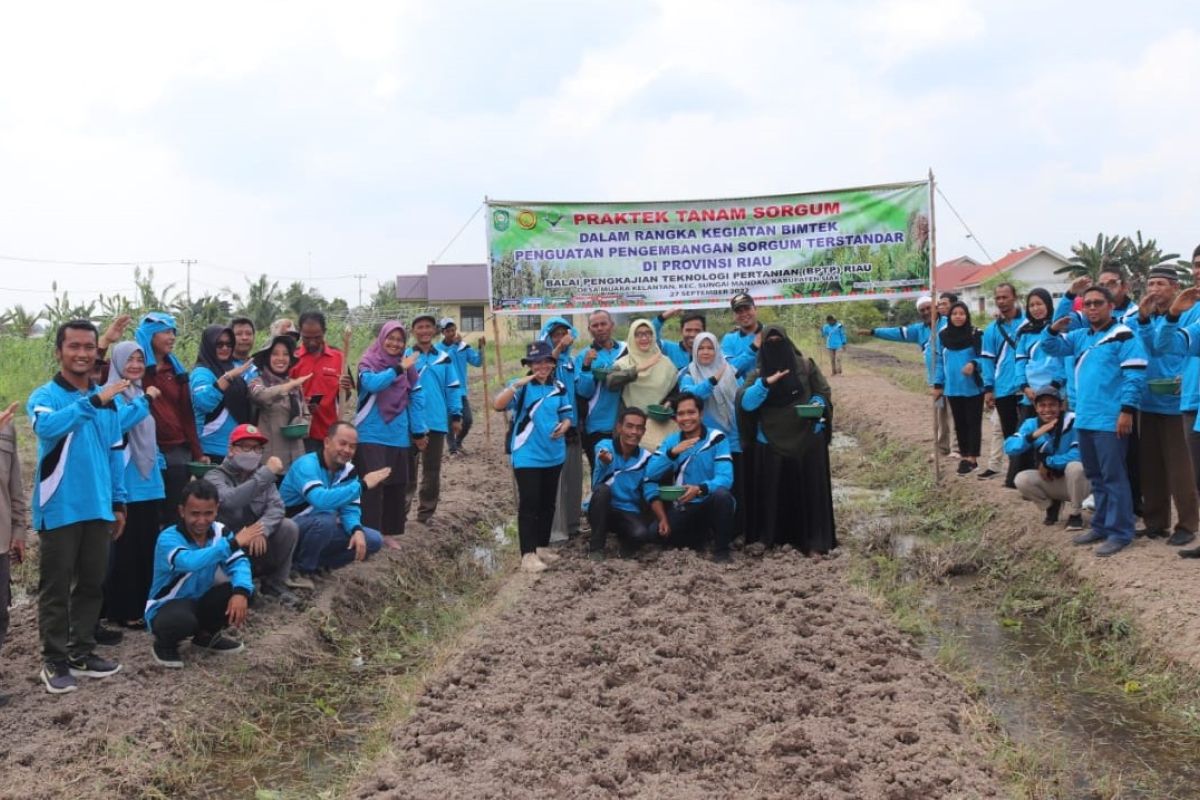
(86,263)
(460,232)
(963,222)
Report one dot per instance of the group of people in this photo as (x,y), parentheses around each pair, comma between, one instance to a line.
(166,498)
(1093,398)
(690,443)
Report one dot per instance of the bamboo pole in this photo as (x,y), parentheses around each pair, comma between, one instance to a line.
(487,394)
(934,319)
(496,342)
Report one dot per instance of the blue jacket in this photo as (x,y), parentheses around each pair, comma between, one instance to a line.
(1181,335)
(461,354)
(409,424)
(948,377)
(626,477)
(564,372)
(1066,307)
(1166,362)
(213,425)
(184,570)
(673,350)
(1036,367)
(310,487)
(835,335)
(707,464)
(704,390)
(1110,372)
(1055,450)
(1000,373)
(756,394)
(740,351)
(602,403)
(916,333)
(441,386)
(537,408)
(80,466)
(138,488)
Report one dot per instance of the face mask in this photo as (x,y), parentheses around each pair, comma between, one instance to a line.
(246,462)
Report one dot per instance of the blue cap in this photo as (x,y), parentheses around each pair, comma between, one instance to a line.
(1047,391)
(538,351)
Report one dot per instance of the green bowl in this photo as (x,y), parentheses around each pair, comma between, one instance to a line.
(297,431)
(660,413)
(813,411)
(1164,385)
(670,492)
(601,373)
(199,469)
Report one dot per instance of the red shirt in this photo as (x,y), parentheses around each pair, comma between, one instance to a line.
(326,367)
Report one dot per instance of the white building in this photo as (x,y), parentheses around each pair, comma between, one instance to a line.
(1027,268)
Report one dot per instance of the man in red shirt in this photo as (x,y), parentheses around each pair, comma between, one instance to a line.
(327,366)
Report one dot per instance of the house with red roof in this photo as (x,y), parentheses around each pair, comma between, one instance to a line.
(1026,267)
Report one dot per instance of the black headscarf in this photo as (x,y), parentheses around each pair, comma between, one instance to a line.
(778,353)
(262,360)
(1032,325)
(960,337)
(236,397)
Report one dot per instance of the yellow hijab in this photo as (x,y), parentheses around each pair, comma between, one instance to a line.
(652,385)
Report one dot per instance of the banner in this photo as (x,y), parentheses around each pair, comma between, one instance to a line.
(849,244)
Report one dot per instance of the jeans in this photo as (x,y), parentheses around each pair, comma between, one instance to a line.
(690,522)
(324,544)
(1103,455)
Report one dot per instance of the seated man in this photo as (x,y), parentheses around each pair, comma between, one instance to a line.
(321,492)
(700,460)
(1059,475)
(620,491)
(201,579)
(248,495)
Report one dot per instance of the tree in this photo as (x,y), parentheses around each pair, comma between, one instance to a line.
(261,303)
(60,310)
(20,322)
(1139,257)
(1091,260)
(150,300)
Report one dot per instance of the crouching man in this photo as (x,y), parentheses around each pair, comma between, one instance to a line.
(322,494)
(1059,475)
(700,461)
(202,581)
(621,493)
(248,495)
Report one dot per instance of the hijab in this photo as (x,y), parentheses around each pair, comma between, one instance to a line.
(143,449)
(775,354)
(1032,325)
(653,385)
(786,434)
(724,401)
(394,399)
(262,360)
(236,398)
(152,323)
(959,337)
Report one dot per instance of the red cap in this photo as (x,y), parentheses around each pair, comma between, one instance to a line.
(243,432)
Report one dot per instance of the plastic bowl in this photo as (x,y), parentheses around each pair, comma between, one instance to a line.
(199,469)
(812,411)
(670,492)
(601,373)
(660,413)
(297,431)
(1164,385)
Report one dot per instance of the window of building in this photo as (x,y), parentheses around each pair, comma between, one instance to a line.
(472,319)
(529,322)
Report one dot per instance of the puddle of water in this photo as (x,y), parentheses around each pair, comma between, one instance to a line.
(859,497)
(1047,698)
(842,441)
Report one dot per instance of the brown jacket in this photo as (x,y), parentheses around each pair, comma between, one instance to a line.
(14,511)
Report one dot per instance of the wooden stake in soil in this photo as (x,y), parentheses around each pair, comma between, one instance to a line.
(487,395)
(496,342)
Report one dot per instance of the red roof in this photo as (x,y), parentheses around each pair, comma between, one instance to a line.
(964,271)
(952,274)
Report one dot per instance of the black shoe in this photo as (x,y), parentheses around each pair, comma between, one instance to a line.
(1052,513)
(93,666)
(107,636)
(58,678)
(1193,552)
(596,555)
(722,557)
(1150,533)
(1180,537)
(627,549)
(965,467)
(216,643)
(987,473)
(1111,547)
(166,655)
(1089,537)
(1075,522)
(1009,485)
(286,597)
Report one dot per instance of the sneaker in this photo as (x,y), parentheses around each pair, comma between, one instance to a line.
(722,557)
(298,581)
(987,473)
(964,467)
(108,636)
(216,643)
(1089,537)
(1075,522)
(596,555)
(1052,512)
(1150,533)
(1089,503)
(93,666)
(58,678)
(1180,537)
(166,655)
(1190,553)
(1110,547)
(531,563)
(547,555)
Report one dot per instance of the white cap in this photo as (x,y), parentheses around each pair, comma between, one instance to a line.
(924,300)
(445,321)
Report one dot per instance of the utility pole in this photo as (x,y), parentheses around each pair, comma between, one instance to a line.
(187,262)
(360,277)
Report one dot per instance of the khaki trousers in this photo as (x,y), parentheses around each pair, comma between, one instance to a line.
(1073,487)
(1166,467)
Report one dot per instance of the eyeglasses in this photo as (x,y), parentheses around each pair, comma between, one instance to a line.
(1094,303)
(224,343)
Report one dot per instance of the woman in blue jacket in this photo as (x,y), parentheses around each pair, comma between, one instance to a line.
(220,396)
(541,413)
(957,376)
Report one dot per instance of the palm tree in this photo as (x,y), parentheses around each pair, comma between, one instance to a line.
(150,300)
(261,303)
(21,322)
(60,310)
(1141,257)
(1091,260)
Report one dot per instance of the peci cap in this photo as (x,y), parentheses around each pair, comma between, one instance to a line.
(246,432)
(1047,391)
(420,317)
(741,299)
(446,322)
(924,300)
(538,351)
(1170,273)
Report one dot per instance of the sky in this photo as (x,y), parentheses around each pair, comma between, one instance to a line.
(318,141)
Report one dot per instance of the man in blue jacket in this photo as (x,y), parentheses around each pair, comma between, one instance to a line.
(699,460)
(1002,380)
(621,495)
(1110,370)
(1058,475)
(596,402)
(443,393)
(322,493)
(463,356)
(835,340)
(741,344)
(691,325)
(202,581)
(78,506)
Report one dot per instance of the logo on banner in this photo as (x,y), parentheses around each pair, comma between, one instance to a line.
(554,219)
(500,219)
(527,220)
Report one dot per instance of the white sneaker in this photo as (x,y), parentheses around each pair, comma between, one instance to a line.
(1088,504)
(545,554)
(531,563)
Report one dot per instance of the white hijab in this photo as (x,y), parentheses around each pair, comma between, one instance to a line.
(724,399)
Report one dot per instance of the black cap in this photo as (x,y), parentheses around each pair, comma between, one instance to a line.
(1170,273)
(741,299)
(1047,391)
(538,351)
